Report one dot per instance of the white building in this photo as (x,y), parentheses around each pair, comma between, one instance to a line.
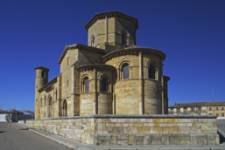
(3,117)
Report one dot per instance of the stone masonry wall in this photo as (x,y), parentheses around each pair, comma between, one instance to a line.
(163,131)
(79,129)
(134,130)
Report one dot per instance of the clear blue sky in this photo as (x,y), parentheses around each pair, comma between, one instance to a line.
(190,32)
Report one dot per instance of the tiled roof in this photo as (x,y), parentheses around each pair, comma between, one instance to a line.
(111,14)
(49,84)
(83,47)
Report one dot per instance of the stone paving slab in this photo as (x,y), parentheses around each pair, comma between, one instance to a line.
(16,137)
(59,139)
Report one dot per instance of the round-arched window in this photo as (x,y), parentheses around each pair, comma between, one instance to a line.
(125,71)
(151,71)
(49,100)
(64,108)
(103,84)
(92,40)
(86,85)
(56,95)
(50,106)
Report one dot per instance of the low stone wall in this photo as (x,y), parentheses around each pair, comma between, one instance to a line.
(134,130)
(80,129)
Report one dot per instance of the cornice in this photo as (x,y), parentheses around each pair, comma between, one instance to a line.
(94,66)
(42,68)
(133,50)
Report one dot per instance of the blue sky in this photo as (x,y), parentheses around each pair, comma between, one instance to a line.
(190,32)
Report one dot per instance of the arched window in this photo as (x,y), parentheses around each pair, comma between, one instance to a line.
(127,39)
(151,71)
(41,101)
(125,71)
(92,40)
(103,84)
(68,60)
(56,95)
(50,106)
(86,85)
(45,101)
(64,108)
(43,74)
(124,38)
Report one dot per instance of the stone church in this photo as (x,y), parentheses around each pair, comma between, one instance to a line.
(110,75)
(107,92)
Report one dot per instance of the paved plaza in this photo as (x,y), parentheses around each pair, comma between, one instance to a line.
(16,137)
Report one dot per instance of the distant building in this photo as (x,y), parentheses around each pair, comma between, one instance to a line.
(15,115)
(3,115)
(199,108)
(27,115)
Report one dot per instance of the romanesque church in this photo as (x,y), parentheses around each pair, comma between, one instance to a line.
(110,75)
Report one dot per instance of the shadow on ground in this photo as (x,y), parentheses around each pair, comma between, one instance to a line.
(24,129)
(221,129)
(2,132)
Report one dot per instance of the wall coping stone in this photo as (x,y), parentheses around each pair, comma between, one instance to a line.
(135,117)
